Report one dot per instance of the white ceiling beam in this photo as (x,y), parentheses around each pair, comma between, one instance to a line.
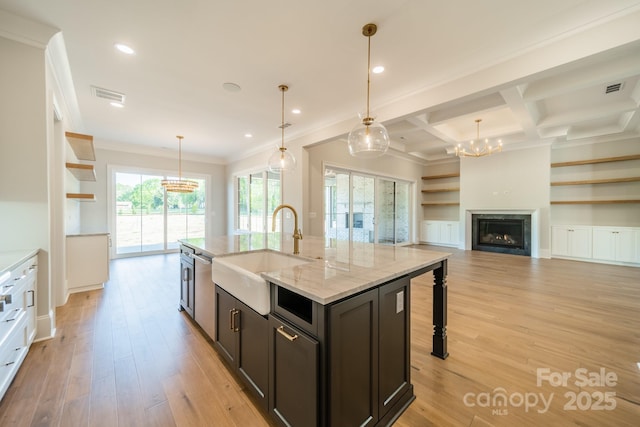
(471,107)
(526,115)
(586,114)
(580,78)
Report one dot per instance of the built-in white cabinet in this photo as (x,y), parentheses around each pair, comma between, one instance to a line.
(444,233)
(17,314)
(620,244)
(87,261)
(616,245)
(571,241)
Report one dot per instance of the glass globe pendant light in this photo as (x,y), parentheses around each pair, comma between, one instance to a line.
(282,160)
(368,139)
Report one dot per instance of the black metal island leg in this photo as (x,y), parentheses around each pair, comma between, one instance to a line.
(440,311)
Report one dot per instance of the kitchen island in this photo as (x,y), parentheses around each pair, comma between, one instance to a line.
(334,349)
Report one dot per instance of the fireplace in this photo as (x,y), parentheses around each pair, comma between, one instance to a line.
(503,233)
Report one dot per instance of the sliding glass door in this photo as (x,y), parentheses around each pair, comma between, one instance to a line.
(393,211)
(365,208)
(147,219)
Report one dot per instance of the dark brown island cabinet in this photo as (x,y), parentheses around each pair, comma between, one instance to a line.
(187,279)
(342,364)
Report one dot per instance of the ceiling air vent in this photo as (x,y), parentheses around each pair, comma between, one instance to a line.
(613,88)
(107,94)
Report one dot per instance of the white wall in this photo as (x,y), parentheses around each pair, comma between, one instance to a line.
(24,163)
(94,215)
(510,180)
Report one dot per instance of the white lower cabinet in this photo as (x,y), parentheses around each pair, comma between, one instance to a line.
(87,261)
(439,232)
(616,245)
(17,317)
(571,241)
(620,244)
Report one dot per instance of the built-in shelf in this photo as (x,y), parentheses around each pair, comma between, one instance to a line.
(594,202)
(441,204)
(447,175)
(594,161)
(82,146)
(441,190)
(598,181)
(82,172)
(82,197)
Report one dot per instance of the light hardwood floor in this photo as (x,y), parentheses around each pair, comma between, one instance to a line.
(125,356)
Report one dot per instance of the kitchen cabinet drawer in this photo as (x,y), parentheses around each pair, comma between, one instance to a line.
(12,352)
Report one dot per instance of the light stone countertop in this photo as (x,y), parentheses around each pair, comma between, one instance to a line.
(338,268)
(11,259)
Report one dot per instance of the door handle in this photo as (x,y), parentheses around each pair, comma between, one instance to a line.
(232,320)
(284,333)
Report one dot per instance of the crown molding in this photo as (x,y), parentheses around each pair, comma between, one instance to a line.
(17,28)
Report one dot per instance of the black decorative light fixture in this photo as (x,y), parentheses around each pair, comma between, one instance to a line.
(475,148)
(282,160)
(179,185)
(368,139)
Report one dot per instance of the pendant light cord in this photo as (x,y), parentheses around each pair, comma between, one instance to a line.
(282,88)
(368,74)
(180,158)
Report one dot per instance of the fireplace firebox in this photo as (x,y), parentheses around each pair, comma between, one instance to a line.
(503,233)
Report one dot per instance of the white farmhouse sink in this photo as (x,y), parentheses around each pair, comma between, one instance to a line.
(239,274)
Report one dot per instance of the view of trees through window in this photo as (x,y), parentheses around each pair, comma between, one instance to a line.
(149,219)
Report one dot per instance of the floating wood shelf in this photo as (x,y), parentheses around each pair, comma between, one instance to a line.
(594,161)
(441,204)
(448,175)
(82,145)
(82,197)
(593,202)
(441,190)
(82,172)
(598,181)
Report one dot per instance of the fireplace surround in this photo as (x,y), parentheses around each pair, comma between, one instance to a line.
(502,233)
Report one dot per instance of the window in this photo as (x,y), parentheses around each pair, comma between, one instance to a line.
(366,208)
(258,194)
(147,219)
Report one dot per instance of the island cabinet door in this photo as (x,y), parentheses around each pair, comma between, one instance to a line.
(226,328)
(293,375)
(395,364)
(353,361)
(253,352)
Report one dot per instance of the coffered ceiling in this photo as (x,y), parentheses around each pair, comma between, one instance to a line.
(534,72)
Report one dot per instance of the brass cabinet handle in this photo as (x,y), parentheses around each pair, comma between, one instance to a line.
(236,325)
(232,320)
(282,332)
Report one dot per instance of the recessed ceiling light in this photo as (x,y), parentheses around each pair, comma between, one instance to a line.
(116,104)
(124,48)
(248,135)
(296,111)
(377,69)
(231,87)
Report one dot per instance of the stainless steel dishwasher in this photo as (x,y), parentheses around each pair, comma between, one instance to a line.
(205,309)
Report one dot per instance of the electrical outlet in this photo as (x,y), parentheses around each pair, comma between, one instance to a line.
(399,302)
